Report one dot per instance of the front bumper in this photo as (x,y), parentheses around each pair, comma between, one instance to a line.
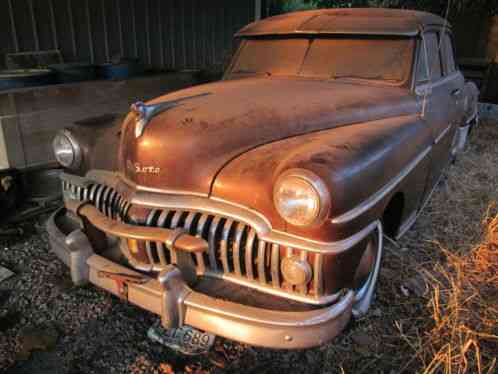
(177,304)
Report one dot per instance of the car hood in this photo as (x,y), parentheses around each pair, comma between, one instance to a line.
(183,148)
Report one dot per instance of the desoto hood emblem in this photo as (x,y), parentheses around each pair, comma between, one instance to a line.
(145,112)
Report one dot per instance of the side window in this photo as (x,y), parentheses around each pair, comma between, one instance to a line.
(432,43)
(449,58)
(422,68)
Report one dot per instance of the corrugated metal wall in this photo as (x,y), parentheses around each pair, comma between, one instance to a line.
(172,34)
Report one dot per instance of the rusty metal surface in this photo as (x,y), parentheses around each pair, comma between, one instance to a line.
(189,144)
(345,21)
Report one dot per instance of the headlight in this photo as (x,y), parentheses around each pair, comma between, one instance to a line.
(301,197)
(67,150)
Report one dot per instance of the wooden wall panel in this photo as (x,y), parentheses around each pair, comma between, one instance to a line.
(163,34)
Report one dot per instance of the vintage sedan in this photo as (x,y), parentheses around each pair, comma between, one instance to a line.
(255,208)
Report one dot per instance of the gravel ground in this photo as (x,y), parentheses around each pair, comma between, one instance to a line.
(49,326)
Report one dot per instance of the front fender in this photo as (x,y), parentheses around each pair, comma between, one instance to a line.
(354,161)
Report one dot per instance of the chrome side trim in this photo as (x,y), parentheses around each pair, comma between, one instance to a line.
(379,195)
(405,226)
(295,242)
(427,87)
(442,134)
(138,187)
(268,288)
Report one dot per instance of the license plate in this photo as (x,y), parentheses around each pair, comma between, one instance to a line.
(186,339)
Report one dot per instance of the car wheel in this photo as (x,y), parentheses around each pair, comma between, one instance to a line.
(364,292)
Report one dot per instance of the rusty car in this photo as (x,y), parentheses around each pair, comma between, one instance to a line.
(255,208)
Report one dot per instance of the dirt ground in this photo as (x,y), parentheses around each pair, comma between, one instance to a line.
(49,326)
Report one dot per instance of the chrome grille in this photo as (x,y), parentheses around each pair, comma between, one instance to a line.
(236,253)
(106,199)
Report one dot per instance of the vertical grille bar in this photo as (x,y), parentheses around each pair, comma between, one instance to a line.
(261,262)
(224,245)
(318,278)
(304,288)
(148,245)
(105,202)
(212,242)
(161,248)
(199,231)
(289,252)
(249,254)
(236,249)
(275,265)
(191,229)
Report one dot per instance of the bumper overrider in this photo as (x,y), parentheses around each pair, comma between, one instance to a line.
(76,230)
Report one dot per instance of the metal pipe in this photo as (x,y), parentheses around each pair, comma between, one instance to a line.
(161,43)
(106,39)
(120,27)
(90,41)
(147,32)
(194,39)
(71,27)
(33,24)
(52,24)
(172,39)
(13,26)
(134,30)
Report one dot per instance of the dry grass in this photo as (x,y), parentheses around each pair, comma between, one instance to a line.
(464,304)
(459,333)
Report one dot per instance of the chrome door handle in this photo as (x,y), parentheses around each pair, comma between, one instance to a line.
(456,92)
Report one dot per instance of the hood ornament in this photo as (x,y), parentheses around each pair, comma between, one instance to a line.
(146,112)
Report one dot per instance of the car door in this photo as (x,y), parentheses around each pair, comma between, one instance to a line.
(456,82)
(435,91)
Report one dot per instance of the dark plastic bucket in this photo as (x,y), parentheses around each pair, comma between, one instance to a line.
(74,72)
(10,79)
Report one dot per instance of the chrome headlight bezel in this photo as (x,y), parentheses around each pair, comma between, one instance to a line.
(77,153)
(319,188)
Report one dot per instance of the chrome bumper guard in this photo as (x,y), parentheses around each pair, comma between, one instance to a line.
(170,297)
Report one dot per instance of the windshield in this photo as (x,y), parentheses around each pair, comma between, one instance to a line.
(365,58)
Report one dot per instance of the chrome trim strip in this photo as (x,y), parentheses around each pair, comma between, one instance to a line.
(427,87)
(442,134)
(379,195)
(138,187)
(405,226)
(320,247)
(249,253)
(318,274)
(212,242)
(275,265)
(424,204)
(276,291)
(227,229)
(239,231)
(261,262)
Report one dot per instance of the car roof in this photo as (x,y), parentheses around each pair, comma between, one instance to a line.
(367,21)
